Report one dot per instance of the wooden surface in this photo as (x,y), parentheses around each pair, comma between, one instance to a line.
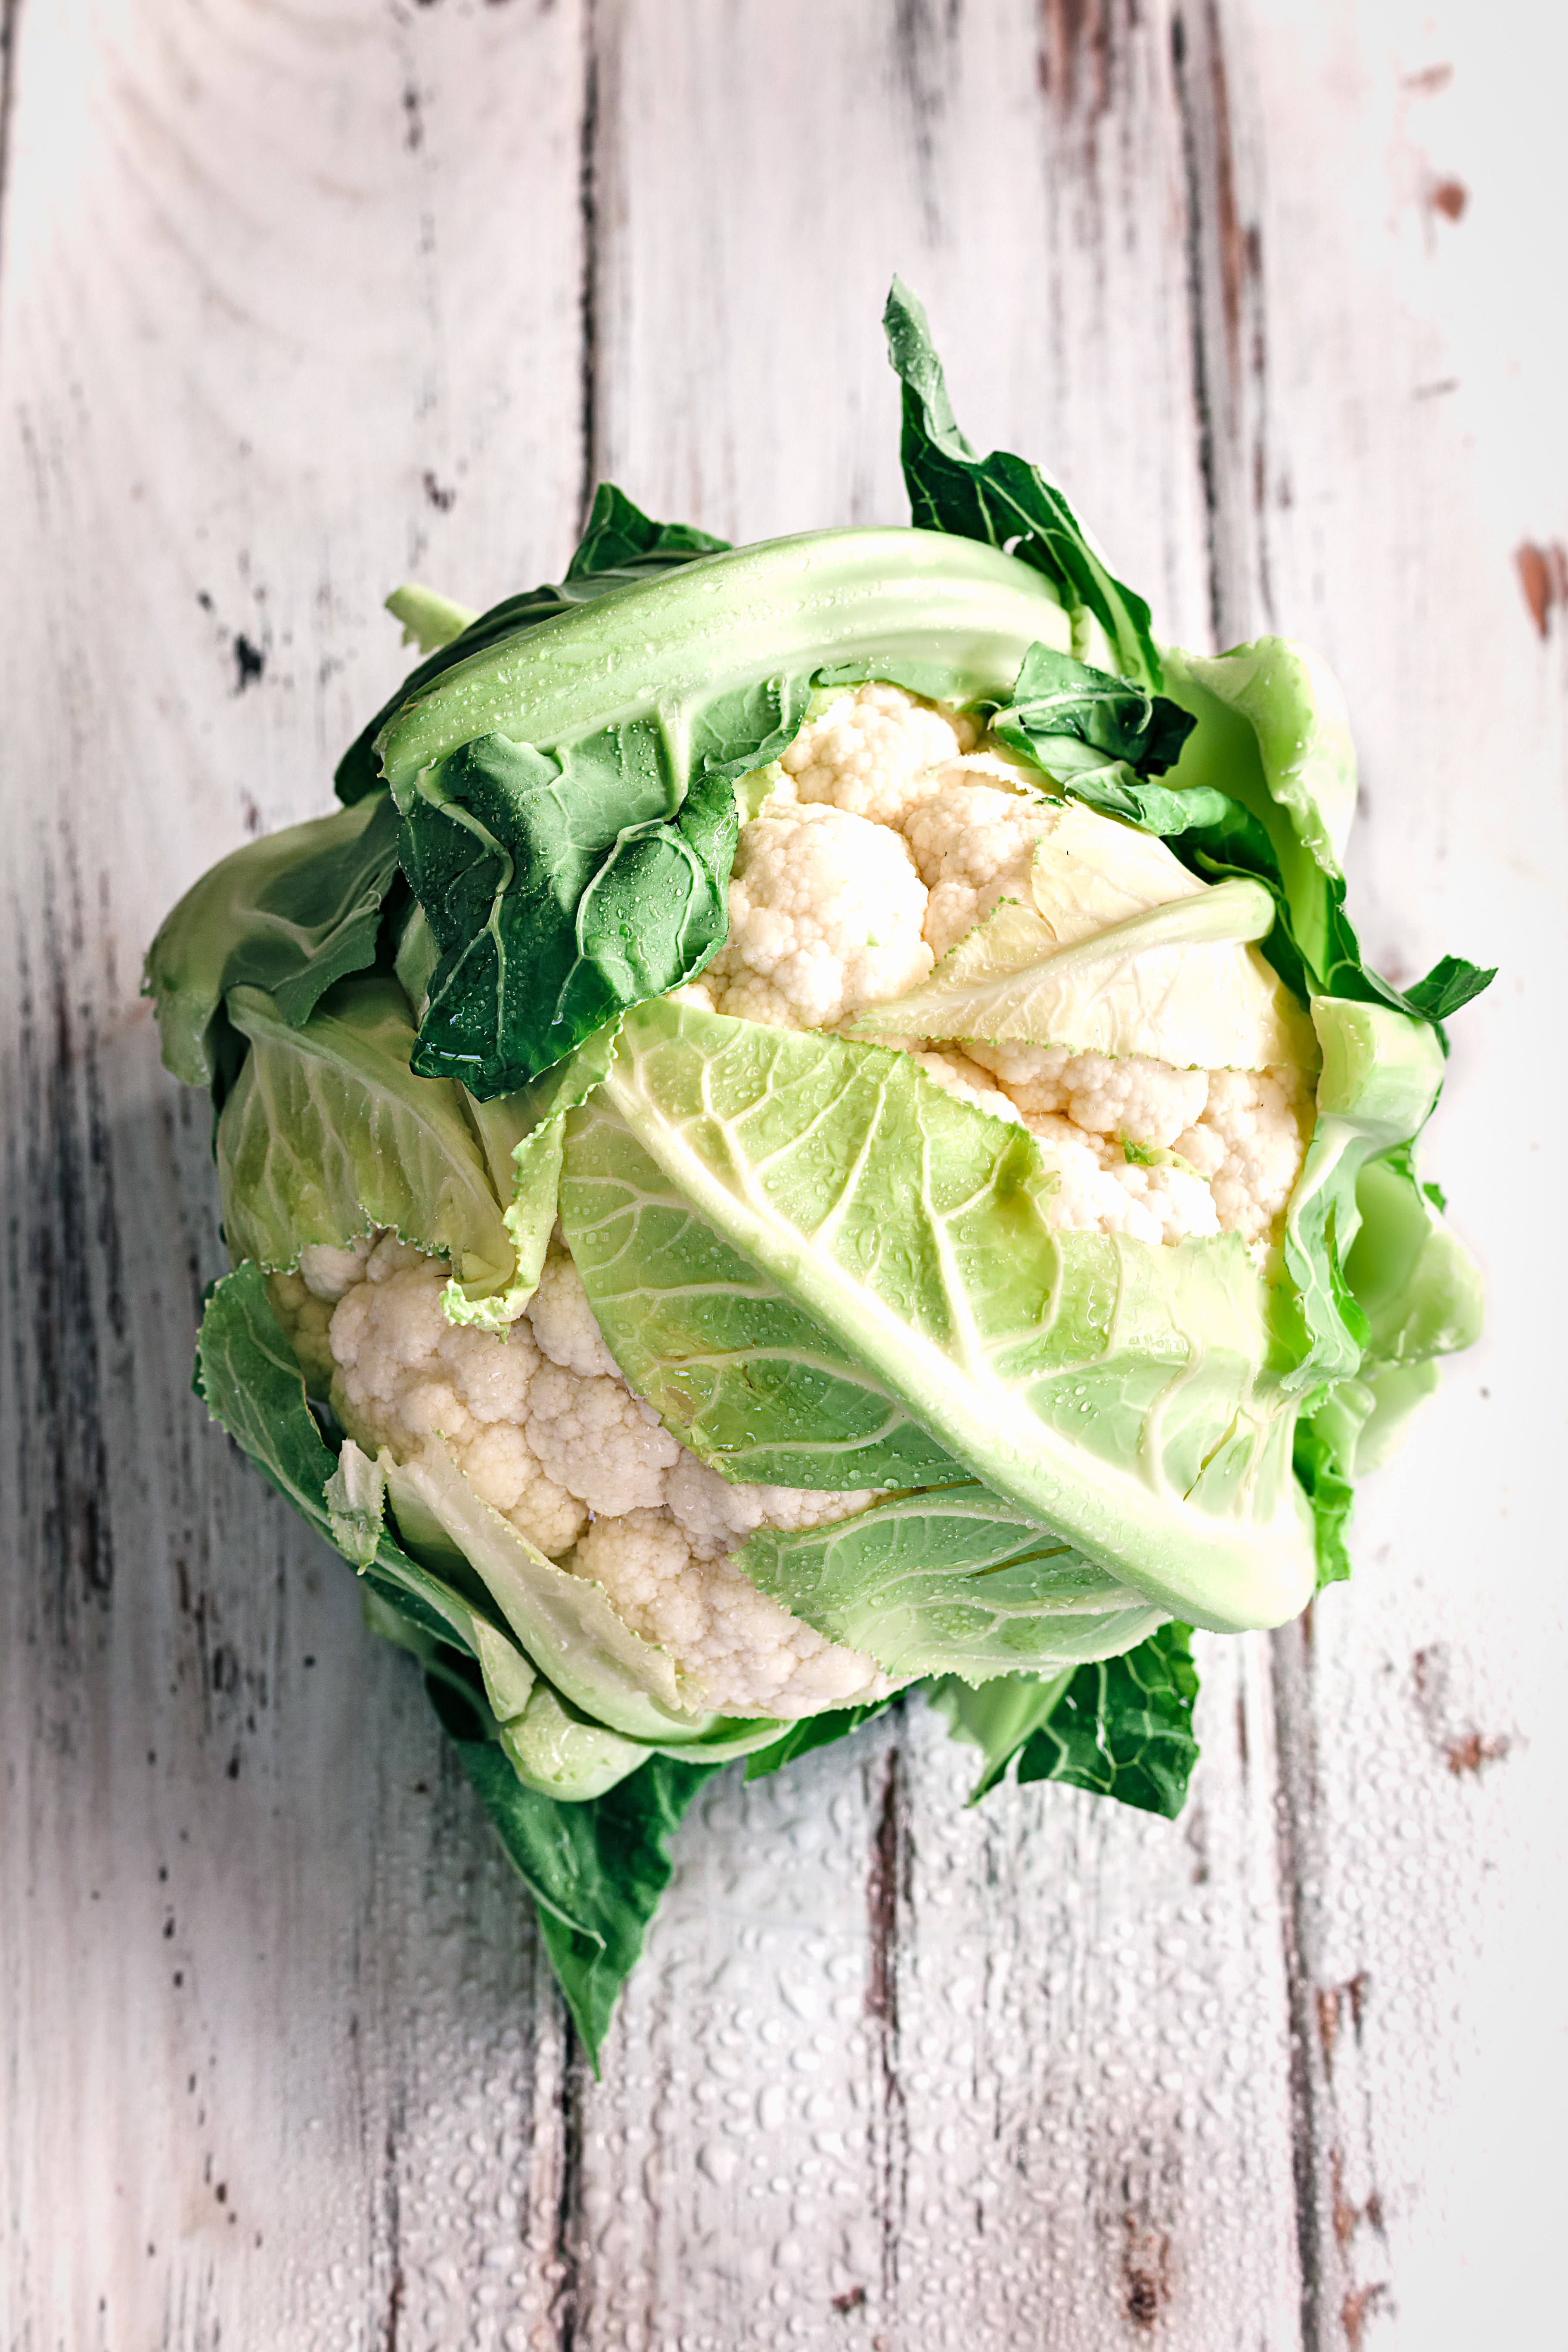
(301,297)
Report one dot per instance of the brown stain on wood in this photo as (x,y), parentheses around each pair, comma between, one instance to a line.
(1464,1750)
(887,1909)
(1226,326)
(1145,2274)
(1543,576)
(1473,1750)
(1076,57)
(1358,2307)
(1332,2002)
(1448,197)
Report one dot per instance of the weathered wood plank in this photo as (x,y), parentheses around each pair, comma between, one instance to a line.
(1413,447)
(1011,2108)
(292,305)
(268,340)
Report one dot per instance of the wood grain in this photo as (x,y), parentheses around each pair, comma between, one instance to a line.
(297,301)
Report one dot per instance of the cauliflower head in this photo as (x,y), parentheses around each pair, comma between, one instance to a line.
(545,1430)
(890,832)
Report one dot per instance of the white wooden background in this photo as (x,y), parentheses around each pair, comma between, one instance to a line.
(299,297)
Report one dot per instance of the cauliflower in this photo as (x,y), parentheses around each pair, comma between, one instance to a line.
(957,1075)
(546,1432)
(1142,1102)
(826,910)
(1249,1143)
(889,834)
(870,753)
(745,1653)
(973,845)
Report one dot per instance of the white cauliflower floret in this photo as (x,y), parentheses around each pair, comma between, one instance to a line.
(551,1439)
(974,844)
(1136,1100)
(564,1321)
(1098,1191)
(956,1074)
(404,1378)
(742,1651)
(714,1513)
(1141,1101)
(598,1441)
(869,752)
(327,1272)
(304,1318)
(826,912)
(1180,1206)
(1250,1142)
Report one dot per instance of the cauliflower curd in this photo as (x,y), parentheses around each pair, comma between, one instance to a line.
(547,1432)
(884,835)
(887,834)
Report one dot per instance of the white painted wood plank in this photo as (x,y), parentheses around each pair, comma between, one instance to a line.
(1414,405)
(289,304)
(1043,2094)
(950,2070)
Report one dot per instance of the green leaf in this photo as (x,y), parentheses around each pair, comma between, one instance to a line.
(1415,1283)
(807,1735)
(559,891)
(998,1718)
(810,1732)
(1451,983)
(1272,740)
(595,1871)
(729,1362)
(620,537)
(1129,1397)
(1066,716)
(1122,1728)
(1005,502)
(291,913)
(1172,982)
(246,1377)
(1323,1471)
(430,620)
(671,646)
(328,1134)
(951,1583)
(620,546)
(1382,1073)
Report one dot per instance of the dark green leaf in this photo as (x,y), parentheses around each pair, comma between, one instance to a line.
(747,727)
(1066,716)
(1123,1727)
(1325,1482)
(620,546)
(1451,983)
(595,1871)
(1000,498)
(811,1731)
(561,890)
(619,534)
